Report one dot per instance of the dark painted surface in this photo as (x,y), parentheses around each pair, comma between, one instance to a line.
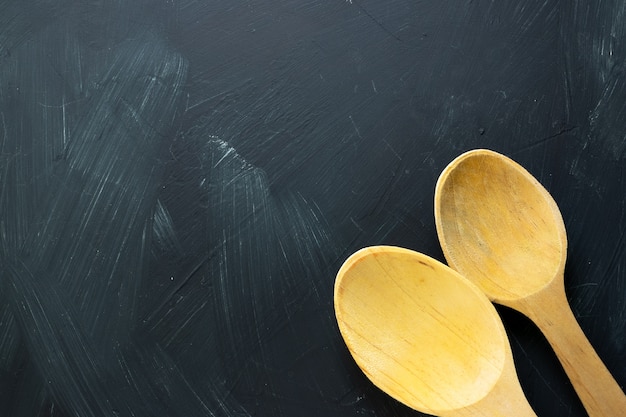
(181,181)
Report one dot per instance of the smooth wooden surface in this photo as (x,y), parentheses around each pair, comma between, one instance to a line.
(426,335)
(501,229)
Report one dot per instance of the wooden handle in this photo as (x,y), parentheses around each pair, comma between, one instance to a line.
(599,392)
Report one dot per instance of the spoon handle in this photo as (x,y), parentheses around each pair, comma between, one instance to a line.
(599,392)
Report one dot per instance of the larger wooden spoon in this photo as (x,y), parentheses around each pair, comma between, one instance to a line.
(426,336)
(501,229)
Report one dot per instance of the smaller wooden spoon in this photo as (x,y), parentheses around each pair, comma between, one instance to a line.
(502,230)
(425,335)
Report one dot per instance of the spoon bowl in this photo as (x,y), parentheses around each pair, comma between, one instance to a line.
(501,229)
(425,335)
(499,226)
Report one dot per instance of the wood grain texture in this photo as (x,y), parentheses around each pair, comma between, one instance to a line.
(502,230)
(425,335)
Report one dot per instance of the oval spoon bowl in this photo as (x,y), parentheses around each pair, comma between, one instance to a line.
(425,335)
(492,218)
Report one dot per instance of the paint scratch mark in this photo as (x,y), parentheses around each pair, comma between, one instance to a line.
(378,23)
(356,129)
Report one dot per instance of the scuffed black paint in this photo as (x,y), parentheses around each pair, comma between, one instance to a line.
(181,180)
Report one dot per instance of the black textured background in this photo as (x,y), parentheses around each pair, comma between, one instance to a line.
(181,180)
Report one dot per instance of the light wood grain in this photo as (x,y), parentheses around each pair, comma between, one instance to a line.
(500,228)
(425,335)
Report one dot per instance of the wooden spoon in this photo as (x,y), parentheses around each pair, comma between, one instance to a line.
(502,230)
(425,335)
